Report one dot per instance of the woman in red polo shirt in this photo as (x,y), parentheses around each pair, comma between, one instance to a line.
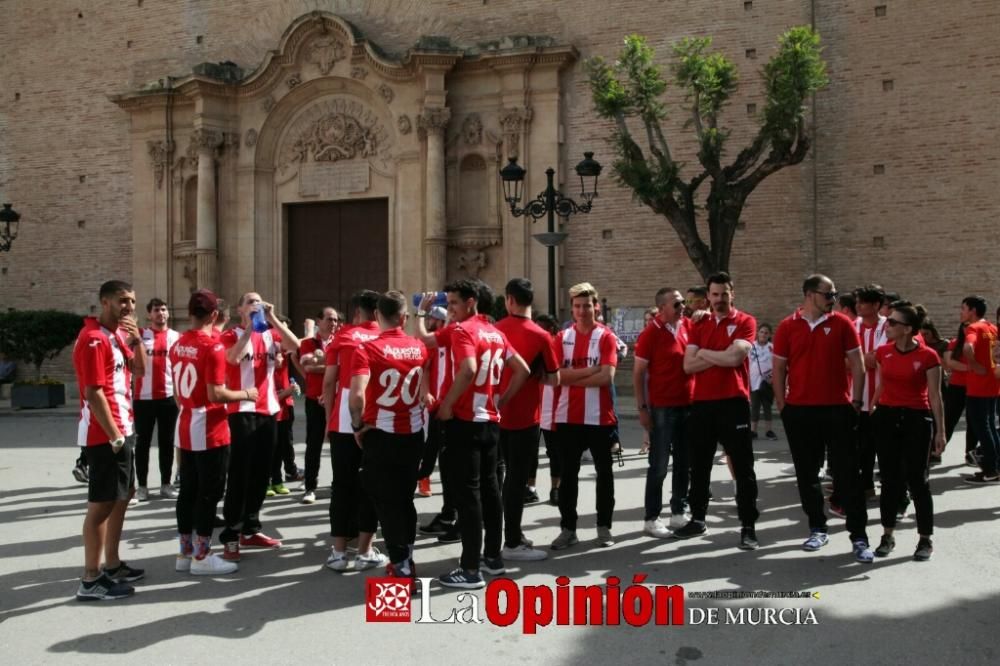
(908,415)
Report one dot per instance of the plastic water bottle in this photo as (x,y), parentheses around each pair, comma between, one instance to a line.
(296,389)
(440,299)
(258,321)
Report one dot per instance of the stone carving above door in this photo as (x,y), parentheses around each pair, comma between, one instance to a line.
(325,51)
(334,130)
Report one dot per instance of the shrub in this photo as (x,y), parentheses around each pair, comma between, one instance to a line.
(35,336)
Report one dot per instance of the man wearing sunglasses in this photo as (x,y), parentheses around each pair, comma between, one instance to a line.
(820,408)
(663,397)
(311,362)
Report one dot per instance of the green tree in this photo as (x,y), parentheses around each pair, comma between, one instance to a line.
(35,336)
(630,90)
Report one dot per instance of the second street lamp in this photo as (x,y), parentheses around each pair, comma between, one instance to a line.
(550,203)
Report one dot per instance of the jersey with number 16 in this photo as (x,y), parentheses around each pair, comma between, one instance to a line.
(199,360)
(395,364)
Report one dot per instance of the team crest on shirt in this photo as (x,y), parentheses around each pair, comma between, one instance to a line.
(730,329)
(916,365)
(826,329)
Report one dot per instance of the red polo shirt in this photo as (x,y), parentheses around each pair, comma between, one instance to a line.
(904,375)
(718,383)
(815,353)
(662,347)
(982,335)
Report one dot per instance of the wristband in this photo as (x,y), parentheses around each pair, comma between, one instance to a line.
(421,313)
(247,393)
(357,428)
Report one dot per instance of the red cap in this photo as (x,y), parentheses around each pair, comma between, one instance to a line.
(203,303)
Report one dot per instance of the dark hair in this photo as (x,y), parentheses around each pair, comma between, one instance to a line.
(391,305)
(322,311)
(365,300)
(977,303)
(813,282)
(700,292)
(484,298)
(547,322)
(891,297)
(155,303)
(719,278)
(928,325)
(465,289)
(659,298)
(870,293)
(112,287)
(521,290)
(848,301)
(914,314)
(959,349)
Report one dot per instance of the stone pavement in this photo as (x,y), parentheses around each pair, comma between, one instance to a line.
(283,606)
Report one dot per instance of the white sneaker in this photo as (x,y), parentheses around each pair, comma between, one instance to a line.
(167,492)
(373,558)
(183,563)
(787,470)
(337,561)
(679,520)
(212,565)
(586,457)
(523,553)
(134,501)
(309,497)
(656,528)
(142,494)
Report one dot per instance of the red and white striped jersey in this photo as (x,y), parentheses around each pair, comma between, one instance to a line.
(254,370)
(477,338)
(100,358)
(158,382)
(586,405)
(341,353)
(395,365)
(198,359)
(549,401)
(440,372)
(281,382)
(872,337)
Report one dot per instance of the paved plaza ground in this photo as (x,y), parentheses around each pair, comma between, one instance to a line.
(284,607)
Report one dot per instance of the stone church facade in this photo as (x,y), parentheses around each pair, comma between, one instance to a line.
(306,148)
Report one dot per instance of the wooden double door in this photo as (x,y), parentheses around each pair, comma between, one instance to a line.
(335,249)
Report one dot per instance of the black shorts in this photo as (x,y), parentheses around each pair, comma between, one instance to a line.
(112,475)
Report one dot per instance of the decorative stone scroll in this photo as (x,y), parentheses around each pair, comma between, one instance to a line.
(325,51)
(472,130)
(159,153)
(514,122)
(434,119)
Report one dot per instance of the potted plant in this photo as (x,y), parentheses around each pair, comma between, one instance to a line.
(33,337)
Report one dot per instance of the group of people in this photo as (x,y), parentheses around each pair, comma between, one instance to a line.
(853,378)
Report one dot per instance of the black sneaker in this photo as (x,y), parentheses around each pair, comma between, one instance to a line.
(771,436)
(748,539)
(982,479)
(463,579)
(80,473)
(123,573)
(554,497)
(103,589)
(972,458)
(492,565)
(692,529)
(934,459)
(924,550)
(452,535)
(436,526)
(885,546)
(530,496)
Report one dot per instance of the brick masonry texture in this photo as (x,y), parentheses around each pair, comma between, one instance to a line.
(924,226)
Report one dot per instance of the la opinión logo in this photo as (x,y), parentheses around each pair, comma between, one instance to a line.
(387,599)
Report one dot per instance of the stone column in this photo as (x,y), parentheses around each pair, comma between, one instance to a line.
(432,123)
(207,241)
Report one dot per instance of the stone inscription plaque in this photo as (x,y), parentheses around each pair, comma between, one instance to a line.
(333,180)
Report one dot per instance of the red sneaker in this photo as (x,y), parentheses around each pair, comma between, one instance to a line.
(259,540)
(392,572)
(231,551)
(424,487)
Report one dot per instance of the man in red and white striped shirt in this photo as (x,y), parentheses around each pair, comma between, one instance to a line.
(202,435)
(870,326)
(352,513)
(251,357)
(388,389)
(154,401)
(311,361)
(104,363)
(587,354)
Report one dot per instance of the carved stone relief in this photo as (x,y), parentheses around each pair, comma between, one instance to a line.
(325,51)
(358,72)
(268,103)
(472,130)
(514,122)
(433,119)
(404,125)
(294,80)
(159,153)
(386,93)
(472,261)
(251,139)
(338,129)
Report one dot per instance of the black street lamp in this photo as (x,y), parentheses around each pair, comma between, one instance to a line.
(9,220)
(550,203)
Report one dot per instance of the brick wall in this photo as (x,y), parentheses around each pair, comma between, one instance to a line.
(919,226)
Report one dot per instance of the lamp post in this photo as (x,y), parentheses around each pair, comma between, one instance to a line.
(550,203)
(9,222)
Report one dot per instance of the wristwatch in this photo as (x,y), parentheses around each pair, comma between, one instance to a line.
(118,443)
(357,428)
(421,313)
